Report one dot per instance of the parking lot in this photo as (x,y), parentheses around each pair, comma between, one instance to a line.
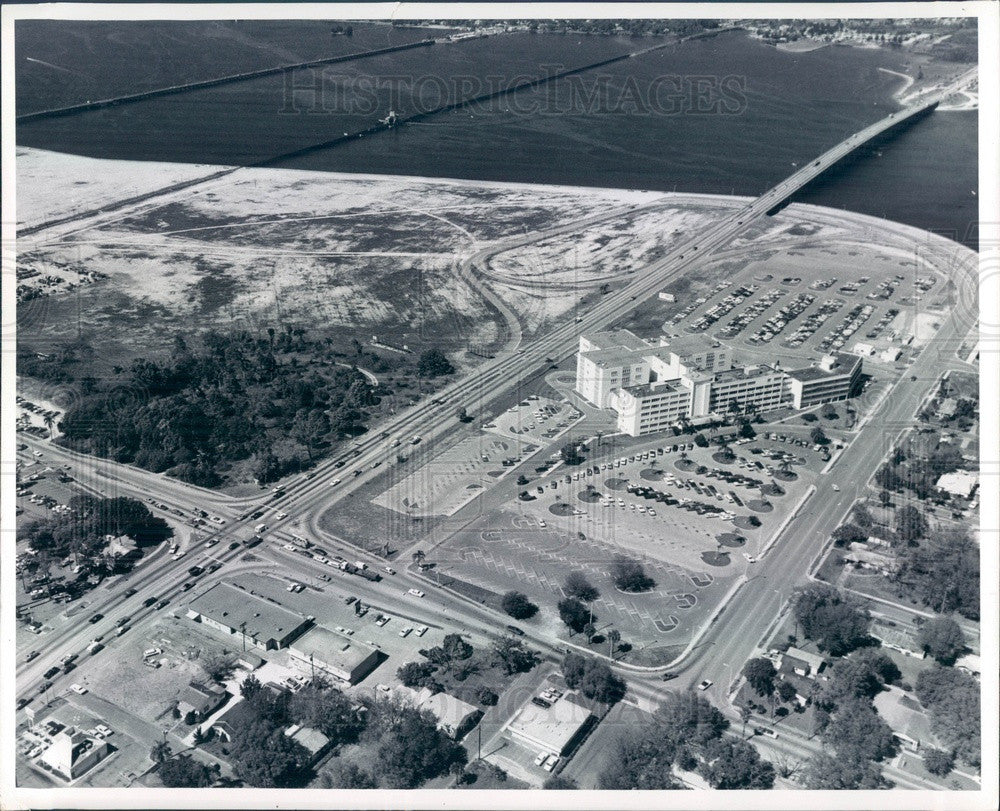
(802,303)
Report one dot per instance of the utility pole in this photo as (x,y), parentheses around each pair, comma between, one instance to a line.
(243,629)
(479,748)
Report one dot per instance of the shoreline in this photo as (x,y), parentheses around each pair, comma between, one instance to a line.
(635,197)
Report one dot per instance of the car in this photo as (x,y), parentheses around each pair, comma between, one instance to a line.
(542,757)
(349,600)
(541,524)
(162,603)
(218,520)
(388,570)
(234,545)
(668,676)
(750,558)
(22,703)
(51,672)
(32,655)
(103,730)
(705,684)
(765,731)
(541,702)
(405,632)
(421,630)
(835,487)
(95,618)
(123,621)
(79,690)
(148,602)
(280,515)
(215,567)
(550,764)
(187,586)
(383,688)
(211,542)
(44,686)
(130,592)
(415,592)
(382,620)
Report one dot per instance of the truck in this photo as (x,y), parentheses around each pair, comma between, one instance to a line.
(298,540)
(249,543)
(348,567)
(368,574)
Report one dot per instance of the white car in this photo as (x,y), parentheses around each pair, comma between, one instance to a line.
(421,630)
(218,520)
(280,515)
(836,487)
(103,730)
(550,763)
(541,524)
(542,757)
(750,558)
(405,631)
(415,592)
(383,688)
(335,481)
(705,685)
(76,688)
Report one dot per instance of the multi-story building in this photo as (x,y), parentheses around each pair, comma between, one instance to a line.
(835,378)
(654,387)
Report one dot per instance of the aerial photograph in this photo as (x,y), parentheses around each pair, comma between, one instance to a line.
(450,403)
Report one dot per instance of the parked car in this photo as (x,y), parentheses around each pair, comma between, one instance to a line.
(704,685)
(415,592)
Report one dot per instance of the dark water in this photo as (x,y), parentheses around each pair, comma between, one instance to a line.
(632,124)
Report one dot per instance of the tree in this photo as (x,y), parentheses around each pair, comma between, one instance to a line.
(325,709)
(943,572)
(733,764)
(456,648)
(250,686)
(574,614)
(600,684)
(849,533)
(434,363)
(835,773)
(416,674)
(486,697)
(559,783)
(862,517)
(159,752)
(219,667)
(184,771)
(942,638)
(953,700)
(409,747)
(639,761)
(859,677)
(629,575)
(688,719)
(570,453)
(574,667)
(818,437)
(512,656)
(518,605)
(344,774)
(577,586)
(836,625)
(786,691)
(747,430)
(857,732)
(264,757)
(700,440)
(910,523)
(760,675)
(939,762)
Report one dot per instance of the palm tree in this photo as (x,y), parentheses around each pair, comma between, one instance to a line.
(785,466)
(160,752)
(49,422)
(418,556)
(744,717)
(613,639)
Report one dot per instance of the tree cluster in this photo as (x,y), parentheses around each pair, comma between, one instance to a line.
(233,398)
(593,677)
(836,624)
(518,606)
(953,700)
(629,575)
(942,573)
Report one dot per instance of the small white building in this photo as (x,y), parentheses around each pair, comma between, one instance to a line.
(961,483)
(665,296)
(863,349)
(891,354)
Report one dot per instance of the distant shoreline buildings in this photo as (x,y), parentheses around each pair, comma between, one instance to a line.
(653,387)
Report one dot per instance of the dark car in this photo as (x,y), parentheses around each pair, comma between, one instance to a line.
(44,686)
(194,571)
(148,602)
(162,603)
(515,630)
(130,592)
(541,702)
(123,621)
(22,702)
(187,586)
(234,545)
(51,672)
(95,618)
(668,676)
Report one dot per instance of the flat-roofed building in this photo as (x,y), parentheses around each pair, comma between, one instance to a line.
(835,378)
(556,728)
(256,621)
(335,654)
(74,752)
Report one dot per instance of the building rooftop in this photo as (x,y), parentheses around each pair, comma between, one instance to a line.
(553,727)
(232,606)
(686,345)
(814,660)
(904,715)
(656,387)
(844,363)
(959,482)
(331,648)
(744,373)
(616,338)
(312,739)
